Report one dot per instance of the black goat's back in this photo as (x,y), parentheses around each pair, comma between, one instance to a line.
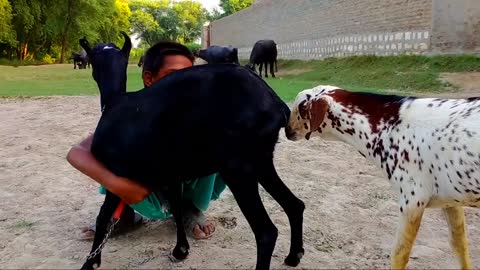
(189,124)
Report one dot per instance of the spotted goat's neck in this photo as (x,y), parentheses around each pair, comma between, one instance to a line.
(364,123)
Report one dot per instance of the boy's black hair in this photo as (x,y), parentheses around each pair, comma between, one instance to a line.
(155,56)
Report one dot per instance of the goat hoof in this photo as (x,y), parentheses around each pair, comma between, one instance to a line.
(89,266)
(179,254)
(294,259)
(92,264)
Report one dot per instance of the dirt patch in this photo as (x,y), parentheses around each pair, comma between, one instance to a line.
(468,82)
(350,219)
(462,85)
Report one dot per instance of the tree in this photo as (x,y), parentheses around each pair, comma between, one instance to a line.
(74,20)
(7,35)
(144,19)
(98,20)
(231,6)
(117,20)
(167,20)
(26,14)
(214,15)
(49,30)
(145,25)
(191,16)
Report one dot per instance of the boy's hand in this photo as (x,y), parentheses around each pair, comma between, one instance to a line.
(129,191)
(81,157)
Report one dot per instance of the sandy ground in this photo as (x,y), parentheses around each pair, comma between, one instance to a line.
(350,220)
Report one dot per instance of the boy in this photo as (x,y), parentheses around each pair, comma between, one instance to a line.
(160,60)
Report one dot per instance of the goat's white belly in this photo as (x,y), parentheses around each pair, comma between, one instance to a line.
(458,184)
(448,177)
(443,202)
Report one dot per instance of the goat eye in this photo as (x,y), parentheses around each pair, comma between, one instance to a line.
(302,110)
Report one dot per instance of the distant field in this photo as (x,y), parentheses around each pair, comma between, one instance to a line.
(55,80)
(364,73)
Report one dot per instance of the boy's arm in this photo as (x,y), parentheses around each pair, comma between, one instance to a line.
(82,159)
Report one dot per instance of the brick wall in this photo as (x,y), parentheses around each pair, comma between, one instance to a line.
(314,29)
(456,27)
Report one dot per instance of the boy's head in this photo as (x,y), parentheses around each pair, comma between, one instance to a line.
(164,58)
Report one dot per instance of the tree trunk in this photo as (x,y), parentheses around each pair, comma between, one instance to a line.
(65,30)
(62,53)
(25,50)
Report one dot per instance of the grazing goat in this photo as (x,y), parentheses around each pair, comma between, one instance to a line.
(264,52)
(218,55)
(427,147)
(80,59)
(192,123)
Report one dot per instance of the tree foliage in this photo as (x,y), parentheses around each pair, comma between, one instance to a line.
(7,35)
(49,30)
(37,29)
(191,16)
(231,6)
(167,20)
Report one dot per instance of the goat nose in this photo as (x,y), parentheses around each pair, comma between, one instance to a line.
(289,133)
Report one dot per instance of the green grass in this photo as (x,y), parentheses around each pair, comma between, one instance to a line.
(375,74)
(50,80)
(23,224)
(405,74)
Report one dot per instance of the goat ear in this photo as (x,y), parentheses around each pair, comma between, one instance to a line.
(85,45)
(127,46)
(318,109)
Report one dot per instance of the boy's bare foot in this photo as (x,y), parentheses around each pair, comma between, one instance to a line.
(88,233)
(196,223)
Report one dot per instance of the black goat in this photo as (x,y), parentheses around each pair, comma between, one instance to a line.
(80,59)
(218,55)
(264,53)
(192,123)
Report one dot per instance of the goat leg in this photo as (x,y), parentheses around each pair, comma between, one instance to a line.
(292,206)
(244,188)
(455,217)
(410,220)
(180,252)
(104,216)
(271,69)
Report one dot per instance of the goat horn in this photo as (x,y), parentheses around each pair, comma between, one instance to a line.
(85,45)
(127,46)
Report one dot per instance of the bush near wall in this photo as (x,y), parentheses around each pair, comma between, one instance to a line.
(193,46)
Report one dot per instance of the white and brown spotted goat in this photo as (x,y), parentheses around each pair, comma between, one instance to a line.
(428,148)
